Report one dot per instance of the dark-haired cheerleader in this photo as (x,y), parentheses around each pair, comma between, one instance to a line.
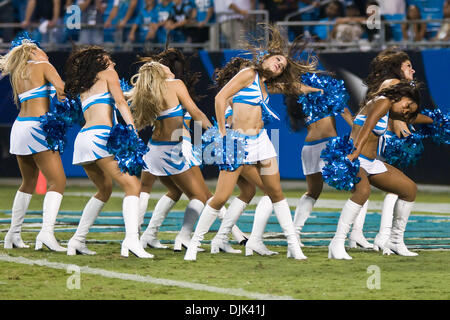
(272,71)
(319,119)
(399,102)
(91,74)
(388,68)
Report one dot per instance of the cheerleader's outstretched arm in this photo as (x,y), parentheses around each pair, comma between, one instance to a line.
(423,119)
(297,88)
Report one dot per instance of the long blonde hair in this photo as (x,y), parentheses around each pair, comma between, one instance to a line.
(14,64)
(147,96)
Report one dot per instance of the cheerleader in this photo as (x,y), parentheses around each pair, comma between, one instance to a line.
(387,69)
(91,74)
(321,127)
(35,82)
(398,102)
(245,184)
(176,62)
(161,100)
(249,91)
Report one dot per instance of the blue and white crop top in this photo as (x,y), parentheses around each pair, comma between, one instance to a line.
(253,95)
(105,98)
(177,111)
(45,91)
(380,127)
(228,112)
(100,98)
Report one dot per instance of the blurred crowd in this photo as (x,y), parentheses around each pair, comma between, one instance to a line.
(188,21)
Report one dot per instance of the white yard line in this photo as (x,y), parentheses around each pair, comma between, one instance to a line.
(146,279)
(321,203)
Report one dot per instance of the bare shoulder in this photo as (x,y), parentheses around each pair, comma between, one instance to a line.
(389,83)
(108,74)
(380,102)
(247,74)
(175,84)
(42,65)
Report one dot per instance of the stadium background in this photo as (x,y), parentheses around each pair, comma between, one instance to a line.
(432,68)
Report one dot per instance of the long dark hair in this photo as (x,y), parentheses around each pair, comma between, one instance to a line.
(408,89)
(386,65)
(176,61)
(295,112)
(225,74)
(82,68)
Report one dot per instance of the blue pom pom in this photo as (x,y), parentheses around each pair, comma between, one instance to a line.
(403,152)
(333,101)
(339,172)
(228,152)
(55,131)
(76,111)
(55,123)
(125,85)
(21,38)
(439,130)
(128,149)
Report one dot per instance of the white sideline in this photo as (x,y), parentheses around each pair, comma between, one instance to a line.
(146,279)
(321,203)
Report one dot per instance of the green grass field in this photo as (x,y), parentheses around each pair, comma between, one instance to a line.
(224,276)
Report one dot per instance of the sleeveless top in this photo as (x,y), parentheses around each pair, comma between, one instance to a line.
(176,111)
(45,91)
(253,95)
(100,98)
(380,127)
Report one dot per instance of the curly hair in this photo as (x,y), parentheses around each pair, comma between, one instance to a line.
(386,65)
(175,60)
(82,68)
(408,89)
(222,76)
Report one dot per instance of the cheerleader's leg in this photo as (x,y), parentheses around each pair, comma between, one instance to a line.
(130,206)
(351,209)
(147,181)
(395,181)
(103,182)
(49,163)
(162,208)
(270,177)
(387,214)
(29,172)
(225,185)
(306,202)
